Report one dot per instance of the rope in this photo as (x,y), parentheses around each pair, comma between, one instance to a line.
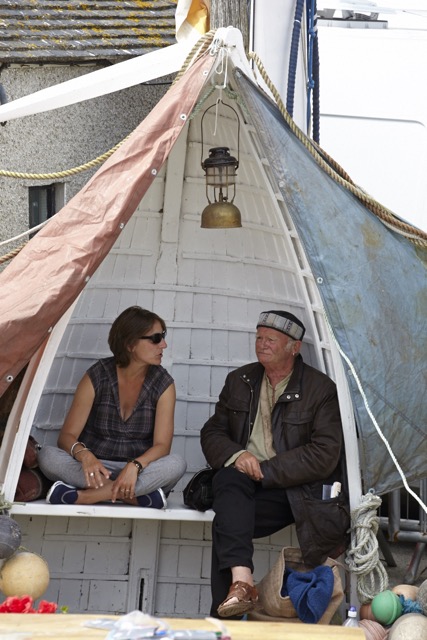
(371,415)
(199,48)
(5,505)
(196,52)
(363,558)
(66,172)
(417,236)
(410,606)
(293,56)
(12,254)
(27,232)
(316,82)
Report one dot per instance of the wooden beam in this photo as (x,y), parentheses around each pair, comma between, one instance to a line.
(230,13)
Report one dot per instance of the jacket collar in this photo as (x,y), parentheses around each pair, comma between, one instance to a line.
(252,374)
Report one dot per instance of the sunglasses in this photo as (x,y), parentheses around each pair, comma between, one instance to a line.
(155,338)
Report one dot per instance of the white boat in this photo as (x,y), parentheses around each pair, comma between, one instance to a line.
(133,236)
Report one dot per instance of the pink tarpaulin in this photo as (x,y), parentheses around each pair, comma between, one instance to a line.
(45,278)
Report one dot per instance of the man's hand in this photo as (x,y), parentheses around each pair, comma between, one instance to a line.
(247,463)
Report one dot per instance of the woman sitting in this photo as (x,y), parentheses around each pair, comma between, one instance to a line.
(116,439)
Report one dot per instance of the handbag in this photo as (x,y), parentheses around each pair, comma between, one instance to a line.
(275,606)
(198,492)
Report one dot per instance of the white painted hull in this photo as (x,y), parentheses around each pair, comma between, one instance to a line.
(209,286)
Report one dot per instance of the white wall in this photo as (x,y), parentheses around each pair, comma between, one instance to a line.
(373,97)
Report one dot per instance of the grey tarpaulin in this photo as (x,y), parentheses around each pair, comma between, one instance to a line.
(372,282)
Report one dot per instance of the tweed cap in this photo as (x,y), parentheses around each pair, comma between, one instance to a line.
(282,321)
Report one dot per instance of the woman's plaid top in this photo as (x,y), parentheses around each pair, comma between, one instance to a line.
(106,433)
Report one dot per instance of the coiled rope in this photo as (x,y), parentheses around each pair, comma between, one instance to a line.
(363,558)
(337,173)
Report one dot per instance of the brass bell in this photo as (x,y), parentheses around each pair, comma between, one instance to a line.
(221,215)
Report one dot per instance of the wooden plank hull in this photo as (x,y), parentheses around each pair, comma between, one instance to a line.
(209,286)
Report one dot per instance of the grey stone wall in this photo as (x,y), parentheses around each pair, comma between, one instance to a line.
(63,138)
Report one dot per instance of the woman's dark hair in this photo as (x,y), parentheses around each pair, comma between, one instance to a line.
(130,325)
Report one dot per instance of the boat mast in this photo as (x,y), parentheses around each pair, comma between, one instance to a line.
(235,13)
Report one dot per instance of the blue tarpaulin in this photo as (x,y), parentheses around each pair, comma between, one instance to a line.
(373,285)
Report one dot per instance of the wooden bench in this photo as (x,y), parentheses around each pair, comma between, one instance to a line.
(176,510)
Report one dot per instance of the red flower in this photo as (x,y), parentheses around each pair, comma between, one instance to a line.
(47,607)
(13,604)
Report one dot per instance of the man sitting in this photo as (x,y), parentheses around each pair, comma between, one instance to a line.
(276,440)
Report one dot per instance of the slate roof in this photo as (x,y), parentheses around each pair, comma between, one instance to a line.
(74,31)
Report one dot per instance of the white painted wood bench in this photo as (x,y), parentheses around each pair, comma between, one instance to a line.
(175,510)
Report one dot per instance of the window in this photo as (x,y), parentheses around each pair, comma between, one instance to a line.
(44,202)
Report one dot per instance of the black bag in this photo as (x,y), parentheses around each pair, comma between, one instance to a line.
(198,492)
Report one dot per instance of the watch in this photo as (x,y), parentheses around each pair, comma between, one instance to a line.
(138,465)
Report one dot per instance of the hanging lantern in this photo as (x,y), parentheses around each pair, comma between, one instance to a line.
(220,173)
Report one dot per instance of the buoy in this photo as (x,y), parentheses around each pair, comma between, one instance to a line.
(422,596)
(365,612)
(24,574)
(386,607)
(10,536)
(373,630)
(408,591)
(412,626)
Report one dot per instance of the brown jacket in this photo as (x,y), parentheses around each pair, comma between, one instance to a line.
(308,441)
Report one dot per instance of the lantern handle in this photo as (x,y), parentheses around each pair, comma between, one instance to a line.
(215,104)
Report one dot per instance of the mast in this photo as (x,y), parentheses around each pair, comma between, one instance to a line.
(235,13)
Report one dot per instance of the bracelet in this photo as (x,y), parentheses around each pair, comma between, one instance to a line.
(138,465)
(75,445)
(79,451)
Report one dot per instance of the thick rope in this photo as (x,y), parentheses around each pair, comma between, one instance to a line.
(12,254)
(363,558)
(199,48)
(66,172)
(196,52)
(417,236)
(332,168)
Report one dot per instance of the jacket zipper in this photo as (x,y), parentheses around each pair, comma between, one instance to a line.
(250,425)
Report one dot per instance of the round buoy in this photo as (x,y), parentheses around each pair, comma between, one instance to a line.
(386,607)
(365,612)
(422,597)
(373,630)
(10,536)
(408,591)
(24,574)
(411,626)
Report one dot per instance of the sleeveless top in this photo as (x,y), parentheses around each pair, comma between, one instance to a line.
(106,433)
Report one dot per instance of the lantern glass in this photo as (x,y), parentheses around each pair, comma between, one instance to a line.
(220,174)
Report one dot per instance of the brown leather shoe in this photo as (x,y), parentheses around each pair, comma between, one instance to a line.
(241,598)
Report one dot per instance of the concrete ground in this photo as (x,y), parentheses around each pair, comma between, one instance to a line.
(409,568)
(410,558)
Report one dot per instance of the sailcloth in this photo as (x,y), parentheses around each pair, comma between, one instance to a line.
(373,285)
